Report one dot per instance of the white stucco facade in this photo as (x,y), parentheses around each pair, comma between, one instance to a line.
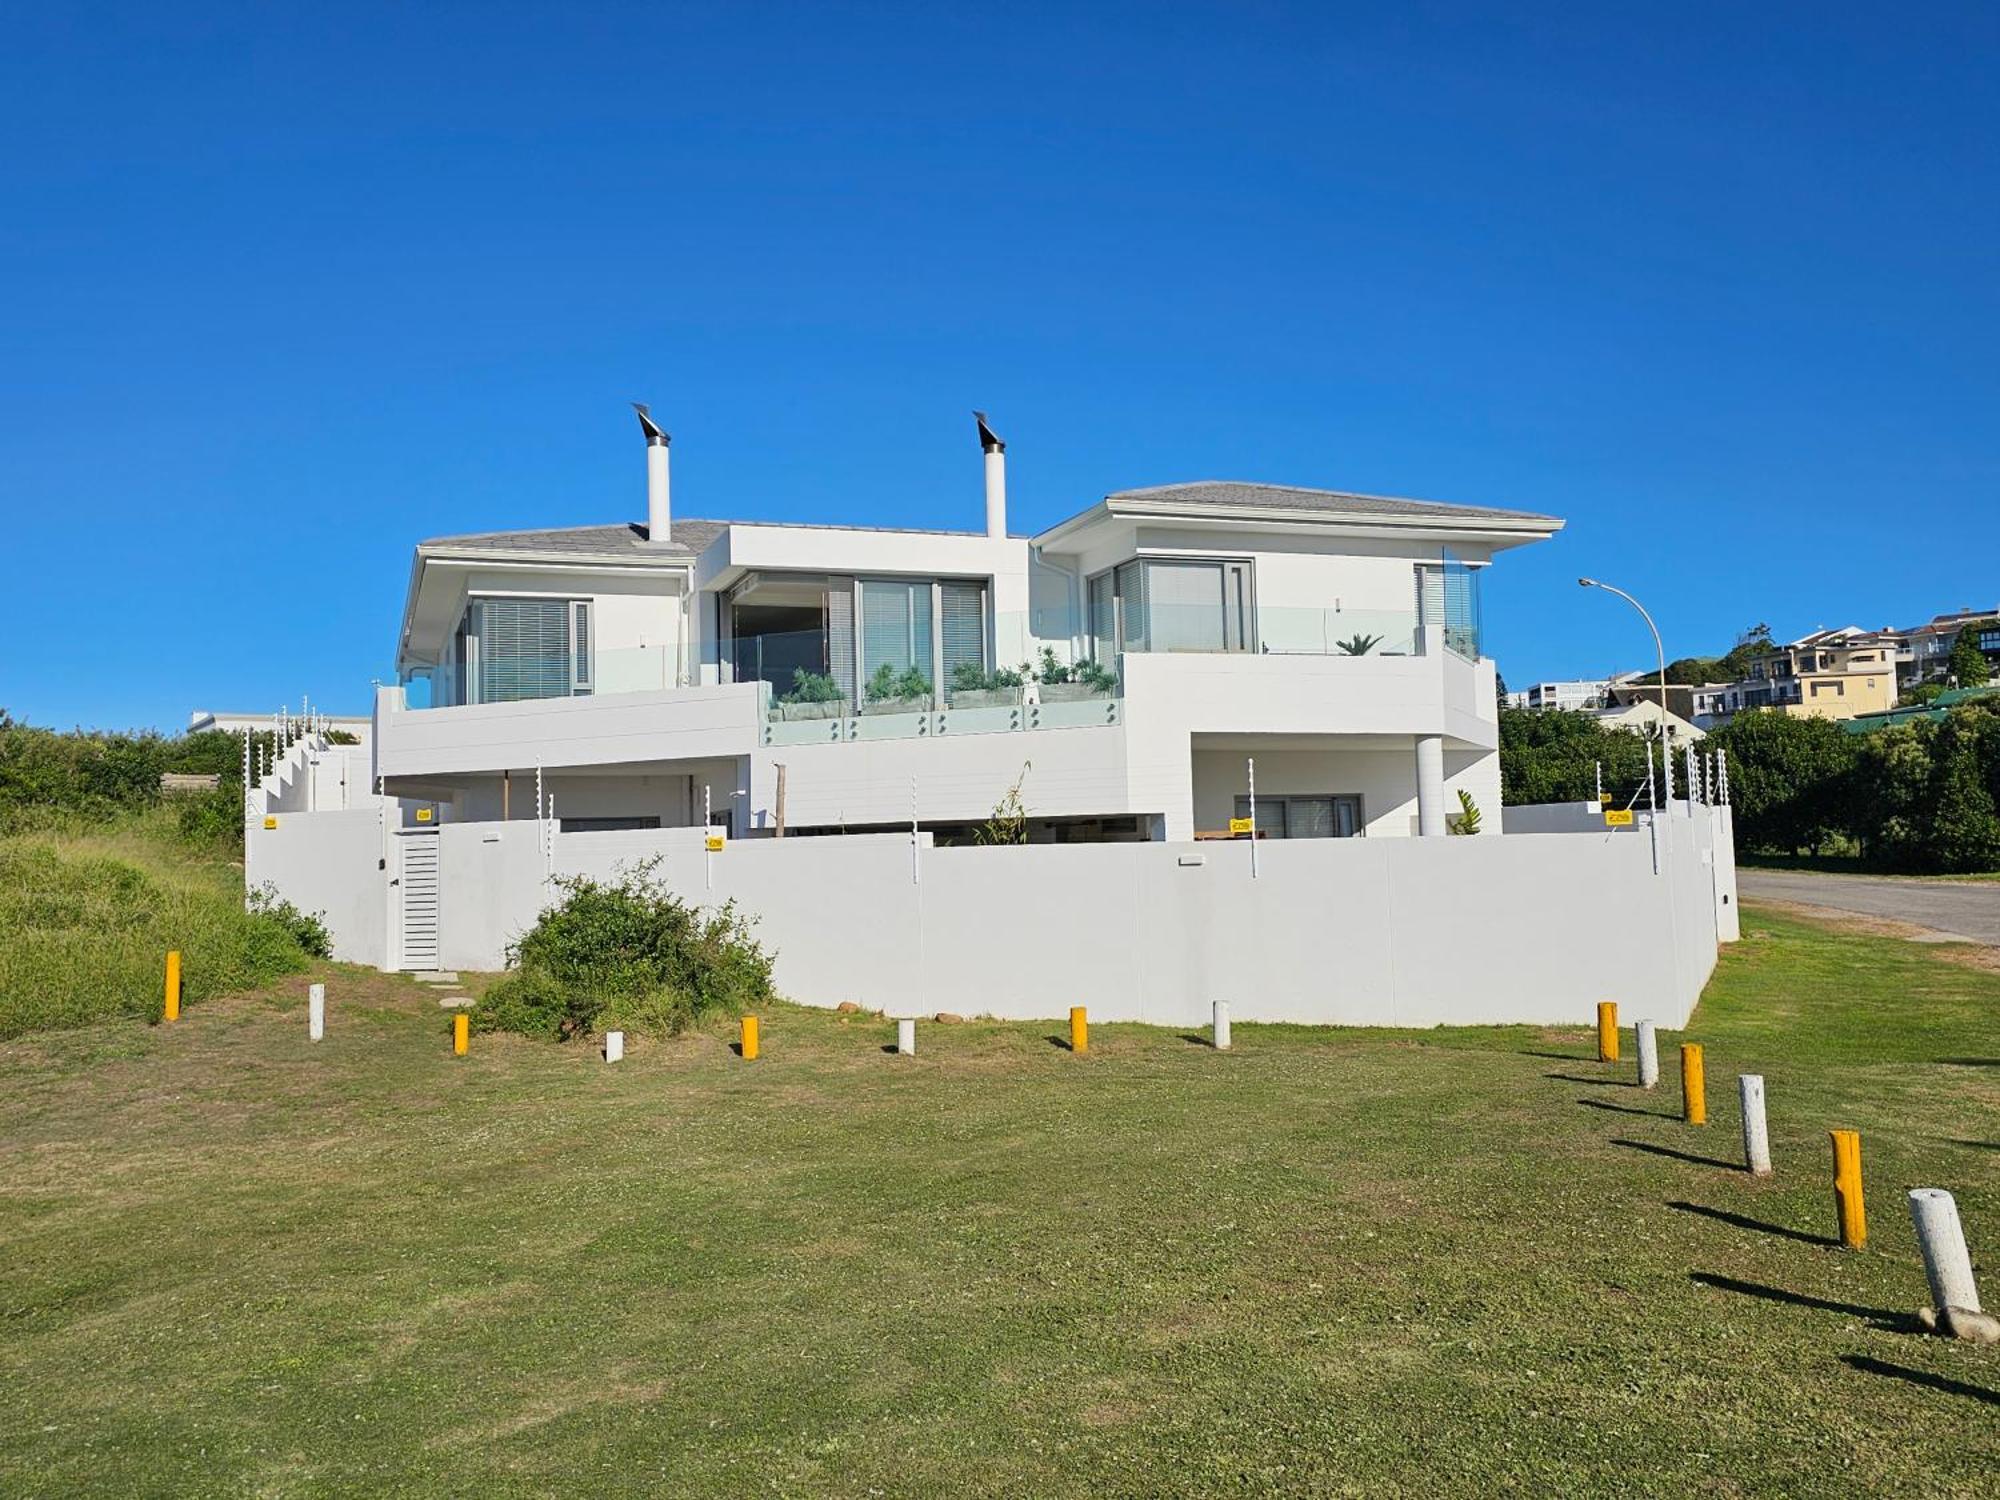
(1331,638)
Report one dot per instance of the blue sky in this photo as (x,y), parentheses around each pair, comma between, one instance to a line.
(285,289)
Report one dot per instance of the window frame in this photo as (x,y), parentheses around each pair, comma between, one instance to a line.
(578,621)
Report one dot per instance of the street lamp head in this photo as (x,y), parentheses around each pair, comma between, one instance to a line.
(1586,583)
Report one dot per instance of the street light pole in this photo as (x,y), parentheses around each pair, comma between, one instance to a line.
(1659,649)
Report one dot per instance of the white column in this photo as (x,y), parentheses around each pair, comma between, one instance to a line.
(316,1012)
(906,1036)
(1941,1237)
(614,1046)
(1430,785)
(1756,1137)
(1649,1055)
(1220,1025)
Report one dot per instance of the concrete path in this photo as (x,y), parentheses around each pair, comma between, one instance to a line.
(1968,912)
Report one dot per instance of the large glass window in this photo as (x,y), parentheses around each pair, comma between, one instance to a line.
(518,649)
(1170,604)
(962,632)
(895,639)
(1307,817)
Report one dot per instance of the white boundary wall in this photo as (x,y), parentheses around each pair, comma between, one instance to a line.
(1530,928)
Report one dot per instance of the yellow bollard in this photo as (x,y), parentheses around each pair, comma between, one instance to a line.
(1694,1086)
(749,1038)
(461,1033)
(1079,1029)
(1607,1031)
(173,1012)
(1847,1199)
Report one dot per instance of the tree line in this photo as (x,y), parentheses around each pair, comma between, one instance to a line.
(1919,798)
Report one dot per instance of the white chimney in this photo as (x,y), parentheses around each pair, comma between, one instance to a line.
(659,512)
(996,478)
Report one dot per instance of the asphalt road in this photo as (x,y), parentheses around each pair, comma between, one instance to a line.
(1970,911)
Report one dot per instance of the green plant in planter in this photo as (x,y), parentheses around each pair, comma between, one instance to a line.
(812,687)
(971,677)
(1084,671)
(1359,645)
(1094,674)
(888,683)
(1466,819)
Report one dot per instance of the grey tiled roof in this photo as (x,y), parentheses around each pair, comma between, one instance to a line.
(1233,494)
(626,540)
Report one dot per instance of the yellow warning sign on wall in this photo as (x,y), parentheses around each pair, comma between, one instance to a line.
(423,815)
(1239,825)
(715,843)
(1617,817)
(270,822)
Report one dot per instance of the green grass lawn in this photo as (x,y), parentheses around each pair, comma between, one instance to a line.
(232,1262)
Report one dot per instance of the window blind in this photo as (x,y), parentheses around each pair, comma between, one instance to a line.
(523,649)
(895,627)
(962,610)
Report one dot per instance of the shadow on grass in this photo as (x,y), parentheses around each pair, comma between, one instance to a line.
(1060,1043)
(1882,1317)
(1626,1109)
(1923,1378)
(1979,1145)
(1601,1083)
(1575,1057)
(1195,1039)
(1687,1156)
(1970,1062)
(1743,1221)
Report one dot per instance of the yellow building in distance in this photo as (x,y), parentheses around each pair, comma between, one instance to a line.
(1830,674)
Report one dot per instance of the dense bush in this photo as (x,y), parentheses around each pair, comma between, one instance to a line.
(84,933)
(626,955)
(308,929)
(1555,756)
(1922,797)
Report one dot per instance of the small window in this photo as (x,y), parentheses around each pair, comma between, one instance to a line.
(607,825)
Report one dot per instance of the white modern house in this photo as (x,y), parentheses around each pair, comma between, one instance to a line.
(812,721)
(1124,666)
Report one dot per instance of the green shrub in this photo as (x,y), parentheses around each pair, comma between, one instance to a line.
(308,929)
(84,935)
(212,819)
(812,687)
(626,954)
(889,683)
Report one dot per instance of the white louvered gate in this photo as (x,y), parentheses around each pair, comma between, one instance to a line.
(417,883)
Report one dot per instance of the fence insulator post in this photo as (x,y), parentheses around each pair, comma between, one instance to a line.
(749,1039)
(614,1046)
(1756,1137)
(1941,1237)
(316,1012)
(1649,1055)
(1848,1201)
(173,999)
(1607,1031)
(1694,1085)
(906,1036)
(1079,1029)
(461,1033)
(1219,1026)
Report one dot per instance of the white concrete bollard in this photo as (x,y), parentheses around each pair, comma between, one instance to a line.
(1649,1055)
(316,1012)
(1756,1138)
(906,1036)
(614,1046)
(1219,1024)
(1941,1237)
